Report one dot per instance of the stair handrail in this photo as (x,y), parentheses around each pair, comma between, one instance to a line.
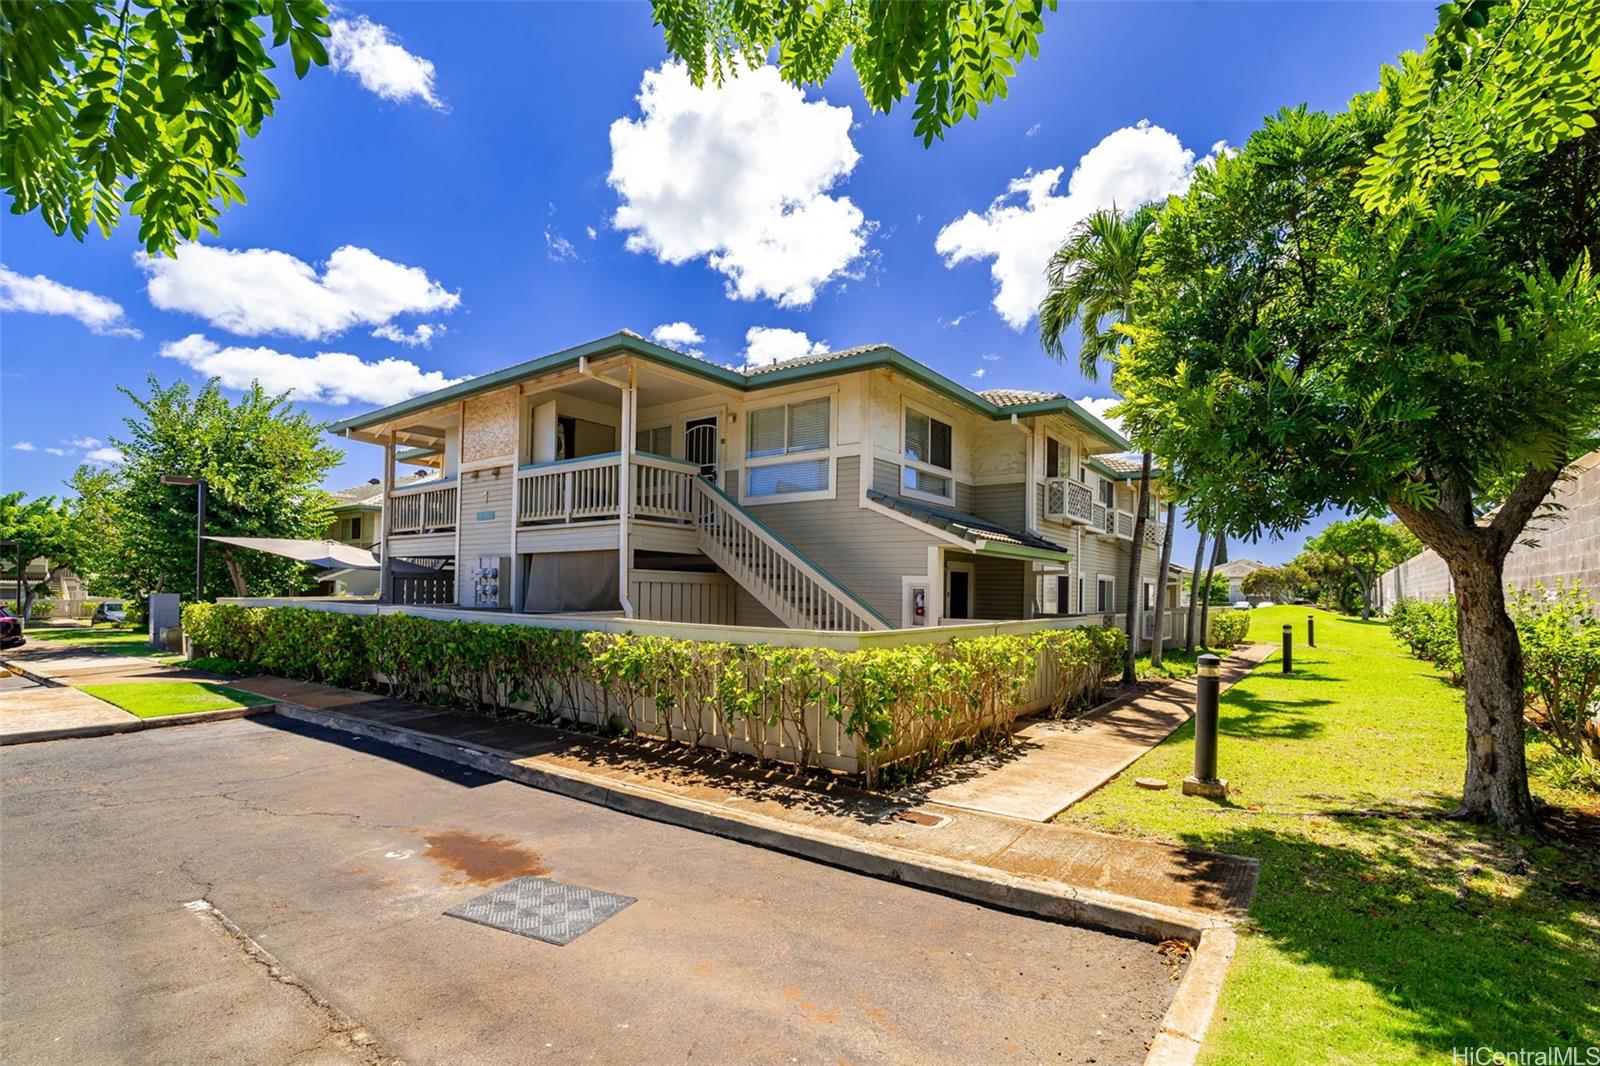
(833,585)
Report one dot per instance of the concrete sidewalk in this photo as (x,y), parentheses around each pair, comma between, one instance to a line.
(1051,765)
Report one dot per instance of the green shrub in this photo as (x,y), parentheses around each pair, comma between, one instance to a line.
(918,702)
(1228,628)
(1560,638)
(1429,630)
(42,609)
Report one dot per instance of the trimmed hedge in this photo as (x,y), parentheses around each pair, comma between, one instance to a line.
(916,702)
(1228,628)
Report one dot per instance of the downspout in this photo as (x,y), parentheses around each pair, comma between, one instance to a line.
(1030,505)
(624,475)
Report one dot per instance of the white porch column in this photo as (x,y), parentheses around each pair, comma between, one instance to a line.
(385,570)
(630,407)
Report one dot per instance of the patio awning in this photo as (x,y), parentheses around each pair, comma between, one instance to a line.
(323,554)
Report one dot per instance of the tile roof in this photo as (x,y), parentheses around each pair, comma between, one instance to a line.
(370,493)
(1018,397)
(967,526)
(809,360)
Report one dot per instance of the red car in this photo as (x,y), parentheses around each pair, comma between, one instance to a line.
(10,630)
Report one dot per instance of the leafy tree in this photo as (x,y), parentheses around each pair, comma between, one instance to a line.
(1270,583)
(1298,351)
(262,462)
(1092,280)
(1499,79)
(1363,546)
(41,528)
(959,54)
(110,107)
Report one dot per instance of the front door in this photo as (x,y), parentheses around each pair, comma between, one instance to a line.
(958,592)
(700,445)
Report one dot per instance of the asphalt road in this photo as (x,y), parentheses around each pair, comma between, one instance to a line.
(338,856)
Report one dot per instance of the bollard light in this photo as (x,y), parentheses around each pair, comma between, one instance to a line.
(1311,631)
(1288,648)
(1204,780)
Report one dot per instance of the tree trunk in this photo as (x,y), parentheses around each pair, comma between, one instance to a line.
(1497,773)
(1161,585)
(1366,597)
(1135,557)
(1218,546)
(236,572)
(1194,590)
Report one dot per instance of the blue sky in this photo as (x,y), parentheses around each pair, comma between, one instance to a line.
(495,199)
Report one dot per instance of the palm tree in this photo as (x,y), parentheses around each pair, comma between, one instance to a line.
(1091,279)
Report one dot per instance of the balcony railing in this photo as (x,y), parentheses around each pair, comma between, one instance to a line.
(577,490)
(1124,525)
(428,508)
(1068,500)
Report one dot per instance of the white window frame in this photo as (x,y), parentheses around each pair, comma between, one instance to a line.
(906,407)
(1064,458)
(830,453)
(1111,599)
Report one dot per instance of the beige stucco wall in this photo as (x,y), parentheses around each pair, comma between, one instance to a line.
(1561,544)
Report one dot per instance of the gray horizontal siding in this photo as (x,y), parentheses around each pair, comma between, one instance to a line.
(1005,504)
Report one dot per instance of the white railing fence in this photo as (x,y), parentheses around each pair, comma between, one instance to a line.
(568,491)
(799,592)
(423,510)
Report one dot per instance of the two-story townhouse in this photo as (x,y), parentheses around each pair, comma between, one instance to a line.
(853,490)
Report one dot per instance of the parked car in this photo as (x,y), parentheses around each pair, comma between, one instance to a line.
(110,611)
(1267,603)
(10,630)
(1241,605)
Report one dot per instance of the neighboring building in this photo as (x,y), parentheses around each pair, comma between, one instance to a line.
(358,521)
(852,490)
(1236,571)
(1562,543)
(63,588)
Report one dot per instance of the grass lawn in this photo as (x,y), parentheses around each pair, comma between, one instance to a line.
(1380,932)
(156,699)
(1176,664)
(117,640)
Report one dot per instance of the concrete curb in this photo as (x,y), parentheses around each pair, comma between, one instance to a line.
(1176,1043)
(134,725)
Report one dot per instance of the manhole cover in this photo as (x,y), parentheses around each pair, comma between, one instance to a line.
(542,909)
(930,821)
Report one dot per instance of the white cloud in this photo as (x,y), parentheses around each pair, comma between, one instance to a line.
(1032,131)
(1022,228)
(990,357)
(327,377)
(741,176)
(557,247)
(59,451)
(82,442)
(678,335)
(259,290)
(40,295)
(364,48)
(1098,406)
(23,446)
(107,456)
(981,373)
(420,337)
(591,231)
(764,345)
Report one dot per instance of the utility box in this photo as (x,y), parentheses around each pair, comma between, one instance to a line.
(164,614)
(491,582)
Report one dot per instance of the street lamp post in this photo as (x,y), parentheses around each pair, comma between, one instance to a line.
(199,484)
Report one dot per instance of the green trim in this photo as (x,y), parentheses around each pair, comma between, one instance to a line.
(568,462)
(1020,551)
(411,455)
(625,343)
(345,508)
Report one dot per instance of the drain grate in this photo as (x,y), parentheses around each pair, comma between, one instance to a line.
(543,909)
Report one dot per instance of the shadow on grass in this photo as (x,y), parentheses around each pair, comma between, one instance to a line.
(1477,938)
(1244,714)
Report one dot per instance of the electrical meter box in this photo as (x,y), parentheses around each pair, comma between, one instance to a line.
(491,582)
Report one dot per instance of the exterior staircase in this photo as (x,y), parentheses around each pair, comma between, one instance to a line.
(791,586)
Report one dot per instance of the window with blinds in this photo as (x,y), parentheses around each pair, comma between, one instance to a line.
(1057,458)
(657,441)
(787,429)
(927,440)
